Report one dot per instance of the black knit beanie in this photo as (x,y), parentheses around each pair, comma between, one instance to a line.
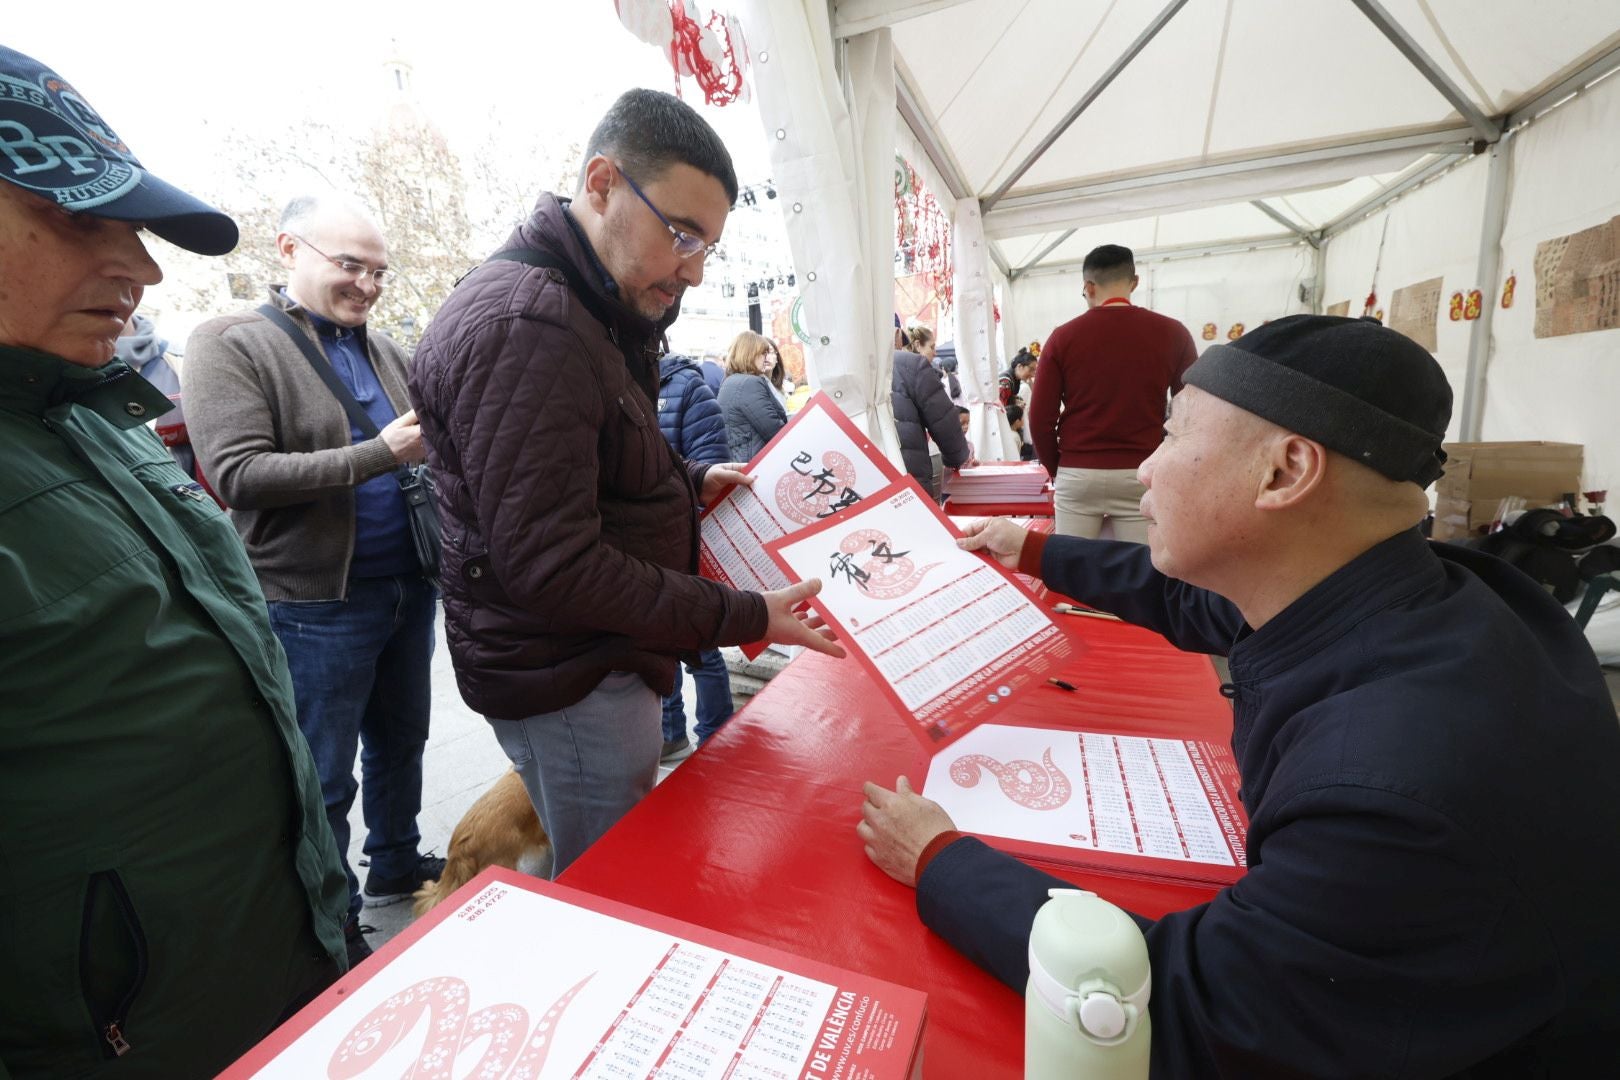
(1368,392)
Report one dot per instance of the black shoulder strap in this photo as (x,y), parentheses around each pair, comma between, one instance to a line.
(323,368)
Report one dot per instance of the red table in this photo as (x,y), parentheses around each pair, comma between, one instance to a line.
(1040,506)
(754,835)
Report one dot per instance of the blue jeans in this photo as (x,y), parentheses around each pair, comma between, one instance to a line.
(360,677)
(713,694)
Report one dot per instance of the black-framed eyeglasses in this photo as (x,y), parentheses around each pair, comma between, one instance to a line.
(686,245)
(354,269)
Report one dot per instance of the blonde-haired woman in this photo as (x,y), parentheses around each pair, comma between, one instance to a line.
(753,412)
(922,342)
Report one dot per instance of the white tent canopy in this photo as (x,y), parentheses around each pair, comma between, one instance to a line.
(1248,150)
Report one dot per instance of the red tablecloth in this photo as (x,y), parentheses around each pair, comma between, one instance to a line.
(755,834)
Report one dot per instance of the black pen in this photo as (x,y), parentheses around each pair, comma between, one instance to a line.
(1061,685)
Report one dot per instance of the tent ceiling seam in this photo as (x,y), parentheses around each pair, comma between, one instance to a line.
(1215,83)
(1012,147)
(1120,63)
(963,85)
(1397,36)
(1480,93)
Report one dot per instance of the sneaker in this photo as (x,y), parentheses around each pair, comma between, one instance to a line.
(354,936)
(381,891)
(676,750)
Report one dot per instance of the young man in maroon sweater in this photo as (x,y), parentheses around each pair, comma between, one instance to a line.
(1098,407)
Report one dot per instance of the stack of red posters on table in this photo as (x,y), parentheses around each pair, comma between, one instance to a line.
(817,465)
(1163,808)
(516,977)
(948,635)
(997,482)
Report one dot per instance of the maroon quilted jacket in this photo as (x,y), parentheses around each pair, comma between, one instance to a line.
(570,526)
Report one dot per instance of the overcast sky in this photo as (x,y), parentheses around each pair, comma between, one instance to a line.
(176,78)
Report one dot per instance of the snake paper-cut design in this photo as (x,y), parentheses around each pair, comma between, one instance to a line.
(867,557)
(806,494)
(1036,785)
(443,1001)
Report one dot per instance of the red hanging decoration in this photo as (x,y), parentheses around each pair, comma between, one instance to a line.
(710,51)
(922,232)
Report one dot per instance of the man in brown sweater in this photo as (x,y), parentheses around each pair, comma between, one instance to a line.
(1098,407)
(318,503)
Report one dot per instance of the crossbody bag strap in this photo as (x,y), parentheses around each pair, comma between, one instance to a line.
(323,368)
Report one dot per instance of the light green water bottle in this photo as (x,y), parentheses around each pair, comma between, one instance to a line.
(1085,1008)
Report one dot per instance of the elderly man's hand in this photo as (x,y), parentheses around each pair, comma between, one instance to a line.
(999,537)
(720,477)
(788,626)
(896,826)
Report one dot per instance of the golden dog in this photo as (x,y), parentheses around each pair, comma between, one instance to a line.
(500,829)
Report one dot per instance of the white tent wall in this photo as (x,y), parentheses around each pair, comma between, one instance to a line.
(1246,287)
(1431,232)
(831,135)
(1565,178)
(1243,287)
(974,329)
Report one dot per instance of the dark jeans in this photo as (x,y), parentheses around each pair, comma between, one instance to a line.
(713,694)
(360,676)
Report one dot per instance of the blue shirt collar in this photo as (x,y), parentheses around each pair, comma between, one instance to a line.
(325,327)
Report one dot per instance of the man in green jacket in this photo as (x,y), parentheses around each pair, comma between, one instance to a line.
(169,887)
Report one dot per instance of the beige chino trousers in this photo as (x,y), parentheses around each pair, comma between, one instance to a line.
(1085,498)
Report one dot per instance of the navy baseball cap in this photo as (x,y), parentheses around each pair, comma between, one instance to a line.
(55,145)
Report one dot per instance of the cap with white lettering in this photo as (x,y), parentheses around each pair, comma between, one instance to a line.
(55,145)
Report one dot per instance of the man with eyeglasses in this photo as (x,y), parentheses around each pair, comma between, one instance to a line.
(571,526)
(318,502)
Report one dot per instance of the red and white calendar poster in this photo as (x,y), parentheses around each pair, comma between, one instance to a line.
(817,465)
(514,978)
(1155,807)
(949,635)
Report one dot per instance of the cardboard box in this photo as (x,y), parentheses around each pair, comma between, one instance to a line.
(1480,475)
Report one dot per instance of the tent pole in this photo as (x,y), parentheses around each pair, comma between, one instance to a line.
(1085,101)
(1043,253)
(1284,220)
(1489,266)
(1488,129)
(1378,200)
(1457,140)
(1319,291)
